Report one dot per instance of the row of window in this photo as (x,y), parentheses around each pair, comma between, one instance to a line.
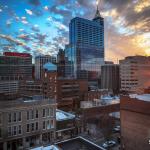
(14,117)
(31,114)
(48,124)
(14,130)
(32,127)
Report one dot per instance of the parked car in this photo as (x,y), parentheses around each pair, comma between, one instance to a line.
(116,129)
(110,143)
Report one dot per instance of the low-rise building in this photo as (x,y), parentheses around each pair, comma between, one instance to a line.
(27,122)
(67,92)
(135,122)
(65,125)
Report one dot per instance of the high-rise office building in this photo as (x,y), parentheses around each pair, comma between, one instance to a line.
(14,66)
(110,78)
(61,63)
(135,73)
(39,62)
(85,51)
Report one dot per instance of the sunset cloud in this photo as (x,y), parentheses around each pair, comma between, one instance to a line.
(43,27)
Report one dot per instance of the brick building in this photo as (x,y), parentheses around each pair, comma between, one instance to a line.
(26,123)
(135,73)
(135,122)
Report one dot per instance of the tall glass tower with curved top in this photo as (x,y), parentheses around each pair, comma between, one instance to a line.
(85,51)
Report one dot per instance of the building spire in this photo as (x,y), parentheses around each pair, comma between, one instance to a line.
(97,15)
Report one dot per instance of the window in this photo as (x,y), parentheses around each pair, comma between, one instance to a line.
(48,124)
(0,118)
(32,114)
(28,127)
(0,132)
(44,127)
(52,123)
(19,116)
(47,111)
(9,117)
(36,115)
(14,130)
(51,111)
(44,113)
(36,126)
(19,129)
(32,126)
(28,115)
(9,131)
(15,117)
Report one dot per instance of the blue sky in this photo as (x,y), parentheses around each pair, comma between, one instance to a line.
(41,26)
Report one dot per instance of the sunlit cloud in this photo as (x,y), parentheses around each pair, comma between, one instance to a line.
(11,39)
(29,12)
(143,41)
(24,22)
(141,5)
(46,8)
(21,30)
(126,25)
(8,22)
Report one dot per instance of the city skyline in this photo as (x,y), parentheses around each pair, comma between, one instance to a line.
(42,27)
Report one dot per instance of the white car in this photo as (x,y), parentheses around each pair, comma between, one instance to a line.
(116,129)
(109,144)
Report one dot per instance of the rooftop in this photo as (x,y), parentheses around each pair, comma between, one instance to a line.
(78,143)
(50,67)
(144,97)
(103,101)
(52,147)
(61,115)
(26,102)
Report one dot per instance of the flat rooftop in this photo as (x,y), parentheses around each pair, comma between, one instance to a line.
(78,143)
(25,102)
(144,97)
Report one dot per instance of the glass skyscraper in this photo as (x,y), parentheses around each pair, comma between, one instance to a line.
(85,52)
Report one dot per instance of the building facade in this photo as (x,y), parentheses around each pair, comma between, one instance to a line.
(61,63)
(85,51)
(39,62)
(27,123)
(135,73)
(30,87)
(9,89)
(16,66)
(110,78)
(135,122)
(70,92)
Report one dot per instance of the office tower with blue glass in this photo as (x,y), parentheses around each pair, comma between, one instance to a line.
(85,52)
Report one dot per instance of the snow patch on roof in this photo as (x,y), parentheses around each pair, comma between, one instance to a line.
(52,147)
(61,115)
(144,97)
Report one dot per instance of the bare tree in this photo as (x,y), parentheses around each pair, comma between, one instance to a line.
(106,124)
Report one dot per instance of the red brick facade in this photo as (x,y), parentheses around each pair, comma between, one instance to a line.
(135,124)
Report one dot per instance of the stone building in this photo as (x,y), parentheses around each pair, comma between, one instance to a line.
(27,122)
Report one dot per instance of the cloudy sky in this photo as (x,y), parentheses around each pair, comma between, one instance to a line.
(41,26)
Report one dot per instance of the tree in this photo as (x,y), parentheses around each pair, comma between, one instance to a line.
(106,124)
